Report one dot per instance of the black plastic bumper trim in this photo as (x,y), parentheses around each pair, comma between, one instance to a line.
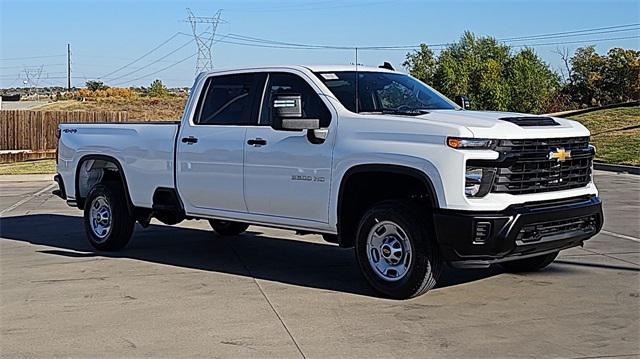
(60,192)
(455,230)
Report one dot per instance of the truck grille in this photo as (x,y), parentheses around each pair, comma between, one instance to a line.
(527,167)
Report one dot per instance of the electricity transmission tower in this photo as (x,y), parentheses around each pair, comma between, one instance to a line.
(204,40)
(32,76)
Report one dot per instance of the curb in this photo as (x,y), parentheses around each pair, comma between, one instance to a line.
(592,109)
(634,170)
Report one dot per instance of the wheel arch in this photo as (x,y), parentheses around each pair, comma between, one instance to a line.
(80,196)
(344,234)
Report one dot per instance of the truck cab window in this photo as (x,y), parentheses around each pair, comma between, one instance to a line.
(228,100)
(383,92)
(282,83)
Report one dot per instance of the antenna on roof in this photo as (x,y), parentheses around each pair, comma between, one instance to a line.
(387,65)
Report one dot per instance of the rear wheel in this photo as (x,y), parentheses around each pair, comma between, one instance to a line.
(529,264)
(107,221)
(396,249)
(228,228)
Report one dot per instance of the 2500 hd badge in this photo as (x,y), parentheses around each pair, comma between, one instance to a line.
(307,178)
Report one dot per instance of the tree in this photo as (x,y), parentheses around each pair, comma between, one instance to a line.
(531,82)
(622,75)
(587,76)
(95,85)
(475,67)
(157,89)
(421,63)
(487,72)
(495,78)
(599,80)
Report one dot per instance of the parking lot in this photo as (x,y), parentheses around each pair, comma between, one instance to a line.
(181,291)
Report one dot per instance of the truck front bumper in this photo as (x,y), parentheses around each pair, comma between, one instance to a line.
(479,239)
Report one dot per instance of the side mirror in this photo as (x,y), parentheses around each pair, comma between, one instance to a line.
(462,101)
(286,114)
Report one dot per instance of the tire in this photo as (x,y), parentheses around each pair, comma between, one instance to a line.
(407,274)
(228,228)
(532,264)
(107,221)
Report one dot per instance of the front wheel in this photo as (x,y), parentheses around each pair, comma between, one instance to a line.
(532,264)
(107,221)
(396,249)
(228,228)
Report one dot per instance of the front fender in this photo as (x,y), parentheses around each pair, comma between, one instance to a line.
(420,168)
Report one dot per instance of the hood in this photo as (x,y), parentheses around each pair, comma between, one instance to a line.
(488,124)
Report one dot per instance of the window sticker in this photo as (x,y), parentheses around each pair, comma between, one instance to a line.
(329,76)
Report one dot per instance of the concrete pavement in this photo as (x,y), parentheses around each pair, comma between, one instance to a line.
(181,291)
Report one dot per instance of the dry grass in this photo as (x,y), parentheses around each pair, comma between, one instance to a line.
(139,108)
(28,167)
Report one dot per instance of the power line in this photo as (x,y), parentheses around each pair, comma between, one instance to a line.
(267,43)
(141,57)
(30,57)
(264,43)
(158,71)
(153,62)
(530,37)
(22,66)
(574,35)
(579,41)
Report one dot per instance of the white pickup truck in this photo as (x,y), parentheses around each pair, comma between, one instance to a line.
(368,157)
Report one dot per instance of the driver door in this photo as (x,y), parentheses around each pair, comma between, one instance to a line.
(287,174)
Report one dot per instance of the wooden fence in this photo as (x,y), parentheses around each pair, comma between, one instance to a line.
(36,130)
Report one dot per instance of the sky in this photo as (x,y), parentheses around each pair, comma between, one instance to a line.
(106,35)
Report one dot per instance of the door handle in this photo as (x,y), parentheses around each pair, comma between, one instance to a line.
(189,140)
(257,142)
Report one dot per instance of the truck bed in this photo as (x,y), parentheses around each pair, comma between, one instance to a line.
(144,151)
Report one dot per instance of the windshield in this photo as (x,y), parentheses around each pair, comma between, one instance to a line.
(383,92)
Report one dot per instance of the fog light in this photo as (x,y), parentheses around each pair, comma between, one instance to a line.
(478,181)
(473,179)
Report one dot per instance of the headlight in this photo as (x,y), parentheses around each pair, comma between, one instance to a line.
(470,143)
(478,181)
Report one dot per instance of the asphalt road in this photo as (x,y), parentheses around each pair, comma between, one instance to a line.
(183,292)
(22,105)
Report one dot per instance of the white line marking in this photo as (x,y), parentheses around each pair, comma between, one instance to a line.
(620,236)
(26,199)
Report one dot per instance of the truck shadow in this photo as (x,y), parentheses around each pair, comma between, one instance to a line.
(252,254)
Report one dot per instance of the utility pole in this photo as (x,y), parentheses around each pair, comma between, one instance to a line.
(68,67)
(205,61)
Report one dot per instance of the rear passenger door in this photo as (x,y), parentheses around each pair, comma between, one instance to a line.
(288,173)
(210,147)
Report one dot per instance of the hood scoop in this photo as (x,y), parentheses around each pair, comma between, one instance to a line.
(527,121)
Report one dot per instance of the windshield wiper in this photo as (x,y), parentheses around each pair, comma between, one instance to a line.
(389,111)
(406,112)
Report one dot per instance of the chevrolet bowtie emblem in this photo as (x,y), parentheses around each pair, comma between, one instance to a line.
(560,154)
